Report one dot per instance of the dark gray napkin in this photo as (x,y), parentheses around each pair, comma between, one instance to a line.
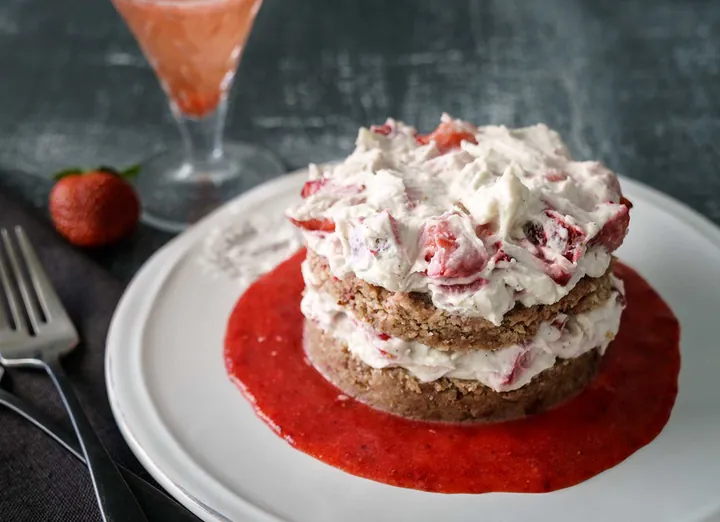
(39,481)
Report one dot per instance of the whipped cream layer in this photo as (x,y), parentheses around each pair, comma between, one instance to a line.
(504,369)
(478,217)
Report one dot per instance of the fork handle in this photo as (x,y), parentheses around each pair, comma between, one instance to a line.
(116,501)
(158,506)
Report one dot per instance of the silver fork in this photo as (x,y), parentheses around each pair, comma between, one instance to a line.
(36,334)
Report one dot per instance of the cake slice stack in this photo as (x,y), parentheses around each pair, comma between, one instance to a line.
(462,275)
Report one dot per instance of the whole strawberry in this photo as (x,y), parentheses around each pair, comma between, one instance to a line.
(95,207)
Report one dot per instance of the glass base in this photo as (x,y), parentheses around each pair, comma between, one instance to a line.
(176,194)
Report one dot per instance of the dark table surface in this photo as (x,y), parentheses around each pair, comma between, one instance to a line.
(633,83)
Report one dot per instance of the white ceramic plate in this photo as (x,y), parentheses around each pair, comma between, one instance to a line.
(200,439)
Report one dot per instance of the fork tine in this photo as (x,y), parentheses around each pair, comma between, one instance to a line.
(30,306)
(11,297)
(48,298)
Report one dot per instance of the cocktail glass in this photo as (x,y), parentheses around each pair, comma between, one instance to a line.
(194,46)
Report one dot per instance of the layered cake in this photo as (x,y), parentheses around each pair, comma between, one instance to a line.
(461,275)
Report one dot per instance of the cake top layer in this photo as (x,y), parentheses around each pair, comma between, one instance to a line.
(478,217)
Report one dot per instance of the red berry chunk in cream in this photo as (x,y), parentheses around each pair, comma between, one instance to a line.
(448,135)
(438,213)
(613,232)
(311,187)
(449,252)
(315,225)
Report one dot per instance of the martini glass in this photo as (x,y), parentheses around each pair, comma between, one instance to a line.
(194,46)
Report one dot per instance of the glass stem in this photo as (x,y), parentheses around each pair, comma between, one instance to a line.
(203,137)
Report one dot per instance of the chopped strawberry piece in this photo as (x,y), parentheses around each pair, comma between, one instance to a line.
(555,175)
(574,248)
(312,186)
(315,225)
(439,237)
(447,256)
(501,255)
(383,129)
(535,233)
(573,253)
(520,363)
(625,201)
(612,234)
(446,137)
(572,238)
(570,241)
(558,274)
(554,270)
(485,230)
(395,227)
(383,336)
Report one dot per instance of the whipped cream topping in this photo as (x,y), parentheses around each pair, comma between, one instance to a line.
(478,217)
(504,369)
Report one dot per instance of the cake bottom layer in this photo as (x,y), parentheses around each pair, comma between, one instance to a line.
(451,400)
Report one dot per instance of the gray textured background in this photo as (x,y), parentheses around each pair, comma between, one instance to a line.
(632,83)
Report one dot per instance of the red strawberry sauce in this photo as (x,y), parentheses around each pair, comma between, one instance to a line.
(624,409)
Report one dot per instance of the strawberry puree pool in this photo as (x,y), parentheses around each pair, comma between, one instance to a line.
(622,410)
